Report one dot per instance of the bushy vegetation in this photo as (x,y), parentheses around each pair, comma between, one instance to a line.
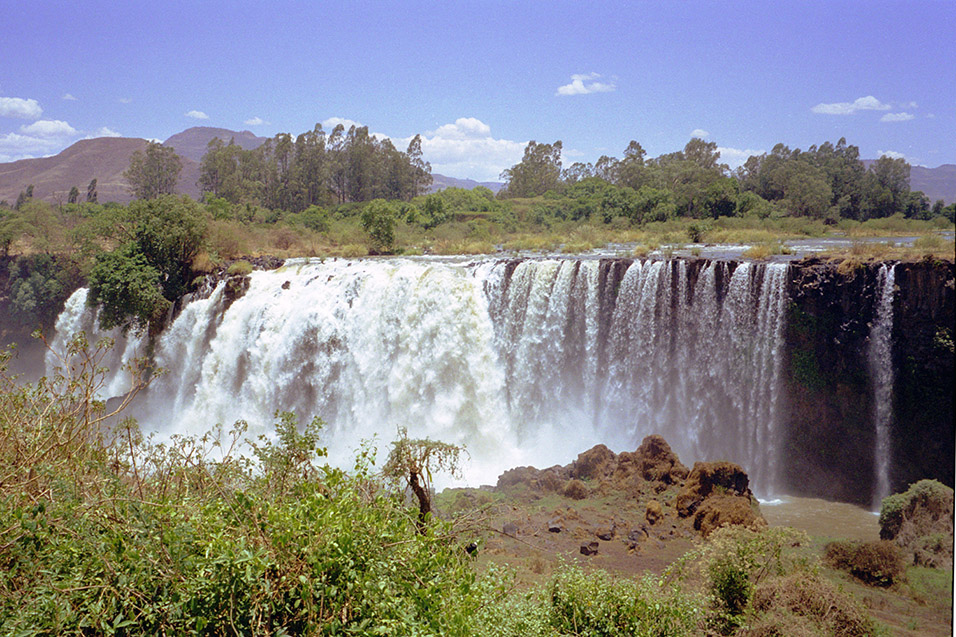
(877,563)
(109,533)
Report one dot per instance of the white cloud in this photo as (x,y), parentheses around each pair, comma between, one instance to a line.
(583,84)
(699,132)
(125,100)
(892,154)
(39,139)
(196,115)
(463,128)
(20,108)
(897,117)
(868,103)
(467,149)
(69,97)
(332,122)
(255,121)
(105,131)
(736,157)
(48,128)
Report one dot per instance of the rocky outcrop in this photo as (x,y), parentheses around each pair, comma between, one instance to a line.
(718,494)
(829,429)
(920,522)
(712,495)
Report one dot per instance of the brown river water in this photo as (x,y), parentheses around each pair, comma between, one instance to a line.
(822,518)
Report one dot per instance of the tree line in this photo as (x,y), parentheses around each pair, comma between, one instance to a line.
(827,182)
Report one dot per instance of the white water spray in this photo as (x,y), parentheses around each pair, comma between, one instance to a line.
(527,362)
(880,357)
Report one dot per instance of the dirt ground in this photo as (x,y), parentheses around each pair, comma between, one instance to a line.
(534,534)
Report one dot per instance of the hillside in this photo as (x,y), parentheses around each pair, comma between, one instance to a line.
(192,142)
(936,183)
(440,182)
(103,159)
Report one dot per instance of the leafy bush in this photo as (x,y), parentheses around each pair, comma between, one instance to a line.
(804,603)
(597,603)
(876,563)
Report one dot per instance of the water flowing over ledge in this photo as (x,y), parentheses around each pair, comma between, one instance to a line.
(531,361)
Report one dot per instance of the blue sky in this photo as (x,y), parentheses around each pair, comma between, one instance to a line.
(480,79)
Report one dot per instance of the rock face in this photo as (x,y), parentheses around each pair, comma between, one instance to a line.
(920,522)
(829,430)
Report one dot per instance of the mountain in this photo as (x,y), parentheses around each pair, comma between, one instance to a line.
(441,181)
(936,183)
(192,142)
(104,159)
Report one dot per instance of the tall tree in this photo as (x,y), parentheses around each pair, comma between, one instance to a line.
(91,195)
(538,171)
(74,195)
(154,172)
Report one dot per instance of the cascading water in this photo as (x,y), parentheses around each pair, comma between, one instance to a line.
(524,362)
(880,357)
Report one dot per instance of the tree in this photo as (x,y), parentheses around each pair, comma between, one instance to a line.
(412,463)
(91,191)
(378,220)
(159,239)
(154,172)
(127,288)
(538,171)
(74,195)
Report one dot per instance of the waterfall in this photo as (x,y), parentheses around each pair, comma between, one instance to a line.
(880,358)
(523,361)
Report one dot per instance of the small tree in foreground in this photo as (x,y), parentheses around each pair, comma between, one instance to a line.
(412,462)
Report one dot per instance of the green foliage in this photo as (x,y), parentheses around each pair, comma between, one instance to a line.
(893,508)
(412,463)
(239,268)
(538,171)
(39,285)
(127,288)
(108,534)
(734,561)
(138,282)
(596,603)
(153,172)
(875,563)
(378,220)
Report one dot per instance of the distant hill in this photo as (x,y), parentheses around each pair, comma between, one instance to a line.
(192,142)
(104,159)
(936,183)
(441,181)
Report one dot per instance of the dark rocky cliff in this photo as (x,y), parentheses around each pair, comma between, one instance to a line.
(829,446)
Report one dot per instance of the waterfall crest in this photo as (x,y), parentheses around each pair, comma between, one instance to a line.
(524,362)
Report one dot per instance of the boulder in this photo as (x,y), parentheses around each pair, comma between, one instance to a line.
(593,464)
(510,528)
(653,512)
(575,489)
(707,478)
(590,548)
(606,534)
(657,463)
(554,526)
(725,510)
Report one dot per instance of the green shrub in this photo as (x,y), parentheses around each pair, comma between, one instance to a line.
(239,268)
(875,563)
(597,603)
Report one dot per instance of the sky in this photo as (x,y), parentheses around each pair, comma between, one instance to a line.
(478,80)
